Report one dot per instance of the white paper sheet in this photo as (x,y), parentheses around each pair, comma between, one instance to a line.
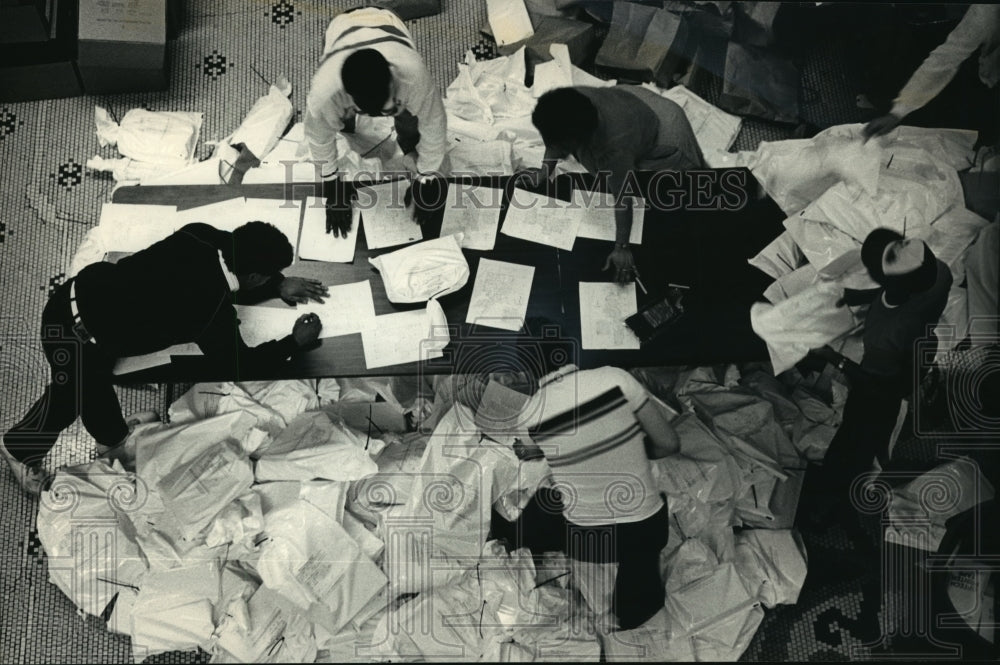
(509,21)
(387,222)
(474,212)
(604,306)
(405,337)
(127,227)
(231,214)
(317,244)
(348,309)
(542,219)
(130,364)
(597,216)
(500,295)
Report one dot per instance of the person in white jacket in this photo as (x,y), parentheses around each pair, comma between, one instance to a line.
(371,66)
(978,29)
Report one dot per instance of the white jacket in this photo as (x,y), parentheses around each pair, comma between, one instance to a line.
(328,104)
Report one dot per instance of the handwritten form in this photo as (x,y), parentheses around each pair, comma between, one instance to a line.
(500,295)
(349,308)
(509,21)
(231,214)
(318,245)
(542,219)
(475,212)
(604,306)
(387,221)
(406,337)
(597,216)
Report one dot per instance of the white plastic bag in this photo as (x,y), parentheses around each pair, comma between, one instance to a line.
(151,136)
(773,563)
(266,120)
(314,447)
(423,271)
(267,630)
(90,558)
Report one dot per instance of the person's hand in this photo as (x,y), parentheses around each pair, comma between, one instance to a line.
(881,126)
(623,261)
(306,330)
(422,197)
(338,220)
(301,290)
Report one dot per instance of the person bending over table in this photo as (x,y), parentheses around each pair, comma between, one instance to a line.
(598,429)
(179,290)
(913,294)
(371,66)
(617,130)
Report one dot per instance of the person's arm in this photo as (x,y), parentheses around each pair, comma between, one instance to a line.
(224,347)
(975,28)
(322,123)
(424,101)
(620,165)
(857,297)
(661,438)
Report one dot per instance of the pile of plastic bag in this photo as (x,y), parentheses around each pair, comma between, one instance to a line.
(260,525)
(835,189)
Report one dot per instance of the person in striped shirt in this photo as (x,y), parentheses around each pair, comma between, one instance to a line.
(598,429)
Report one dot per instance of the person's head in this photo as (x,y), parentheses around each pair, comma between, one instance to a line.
(872,250)
(909,266)
(367,80)
(565,118)
(260,251)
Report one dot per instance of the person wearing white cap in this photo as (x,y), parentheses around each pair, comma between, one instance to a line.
(913,294)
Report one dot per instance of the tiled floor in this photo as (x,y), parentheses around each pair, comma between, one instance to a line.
(220,61)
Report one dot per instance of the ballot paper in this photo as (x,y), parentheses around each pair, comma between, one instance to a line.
(127,227)
(509,21)
(500,295)
(387,221)
(317,244)
(130,364)
(474,212)
(348,309)
(604,306)
(406,337)
(597,216)
(542,219)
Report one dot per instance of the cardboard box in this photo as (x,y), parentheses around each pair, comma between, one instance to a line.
(122,45)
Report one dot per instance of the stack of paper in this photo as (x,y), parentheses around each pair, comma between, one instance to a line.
(604,306)
(500,295)
(542,219)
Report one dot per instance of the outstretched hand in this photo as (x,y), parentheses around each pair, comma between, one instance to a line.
(623,262)
(422,197)
(306,330)
(301,290)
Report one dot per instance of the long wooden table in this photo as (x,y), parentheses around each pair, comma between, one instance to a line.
(687,240)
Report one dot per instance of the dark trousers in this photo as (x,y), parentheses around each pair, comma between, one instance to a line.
(81,386)
(635,546)
(869,418)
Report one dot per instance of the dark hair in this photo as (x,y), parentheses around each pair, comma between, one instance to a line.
(259,247)
(873,248)
(366,78)
(564,115)
(899,287)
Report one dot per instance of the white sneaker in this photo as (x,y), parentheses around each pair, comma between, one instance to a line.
(30,477)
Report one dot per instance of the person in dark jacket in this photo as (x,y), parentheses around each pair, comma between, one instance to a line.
(179,290)
(913,294)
